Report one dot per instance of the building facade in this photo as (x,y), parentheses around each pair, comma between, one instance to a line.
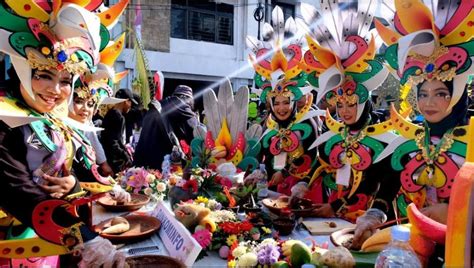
(198,42)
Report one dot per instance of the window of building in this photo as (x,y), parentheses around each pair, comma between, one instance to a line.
(202,21)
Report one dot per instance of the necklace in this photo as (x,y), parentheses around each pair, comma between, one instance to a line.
(350,140)
(431,153)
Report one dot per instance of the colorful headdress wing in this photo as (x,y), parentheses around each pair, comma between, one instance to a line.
(341,57)
(60,35)
(277,61)
(98,84)
(433,41)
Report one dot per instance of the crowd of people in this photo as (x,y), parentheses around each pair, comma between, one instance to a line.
(322,139)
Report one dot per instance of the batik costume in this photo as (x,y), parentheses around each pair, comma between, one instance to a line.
(427,42)
(343,68)
(278,73)
(61,36)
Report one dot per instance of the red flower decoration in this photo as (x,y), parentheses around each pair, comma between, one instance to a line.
(230,227)
(191,184)
(185,147)
(245,226)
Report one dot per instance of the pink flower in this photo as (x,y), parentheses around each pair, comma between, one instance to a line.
(203,237)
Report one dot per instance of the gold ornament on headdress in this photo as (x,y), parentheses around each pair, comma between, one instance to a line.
(429,73)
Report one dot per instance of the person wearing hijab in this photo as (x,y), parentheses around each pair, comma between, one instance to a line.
(289,130)
(165,124)
(435,60)
(346,180)
(49,45)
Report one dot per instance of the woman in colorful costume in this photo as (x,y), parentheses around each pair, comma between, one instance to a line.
(344,70)
(289,132)
(431,51)
(50,45)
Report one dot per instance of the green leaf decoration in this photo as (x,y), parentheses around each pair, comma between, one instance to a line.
(196,146)
(253,148)
(104,37)
(458,148)
(12,22)
(21,40)
(337,138)
(267,137)
(248,161)
(405,148)
(373,144)
(391,56)
(305,128)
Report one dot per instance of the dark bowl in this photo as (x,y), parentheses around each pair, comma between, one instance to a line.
(302,207)
(249,208)
(284,226)
(276,206)
(153,261)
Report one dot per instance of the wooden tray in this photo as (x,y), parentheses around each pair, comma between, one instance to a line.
(154,261)
(141,227)
(320,226)
(138,200)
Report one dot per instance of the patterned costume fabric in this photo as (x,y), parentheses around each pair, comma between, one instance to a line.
(278,73)
(40,35)
(343,68)
(425,43)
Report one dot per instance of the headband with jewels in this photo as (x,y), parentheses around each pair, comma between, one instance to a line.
(60,35)
(427,42)
(277,60)
(341,60)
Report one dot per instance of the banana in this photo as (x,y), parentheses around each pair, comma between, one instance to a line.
(378,240)
(118,225)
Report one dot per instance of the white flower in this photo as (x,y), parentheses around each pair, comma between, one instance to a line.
(150,178)
(239,251)
(148,191)
(160,187)
(247,260)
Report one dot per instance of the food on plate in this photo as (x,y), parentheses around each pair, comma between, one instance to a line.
(118,225)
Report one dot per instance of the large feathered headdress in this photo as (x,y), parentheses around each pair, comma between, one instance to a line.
(62,35)
(341,57)
(277,59)
(430,41)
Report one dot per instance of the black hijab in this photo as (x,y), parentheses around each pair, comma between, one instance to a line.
(283,123)
(367,116)
(457,117)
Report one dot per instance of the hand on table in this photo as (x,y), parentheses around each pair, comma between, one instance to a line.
(366,226)
(100,252)
(323,210)
(437,212)
(277,178)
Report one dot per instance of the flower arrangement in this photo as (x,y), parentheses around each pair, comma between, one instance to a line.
(143,181)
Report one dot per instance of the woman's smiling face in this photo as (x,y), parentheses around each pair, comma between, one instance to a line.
(433,101)
(50,88)
(82,109)
(282,108)
(347,112)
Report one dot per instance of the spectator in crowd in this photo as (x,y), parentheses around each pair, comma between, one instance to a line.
(166,123)
(113,135)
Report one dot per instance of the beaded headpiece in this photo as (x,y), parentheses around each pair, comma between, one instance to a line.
(277,62)
(428,42)
(341,60)
(62,35)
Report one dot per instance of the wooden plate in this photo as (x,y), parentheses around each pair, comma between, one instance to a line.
(305,206)
(154,261)
(141,227)
(138,200)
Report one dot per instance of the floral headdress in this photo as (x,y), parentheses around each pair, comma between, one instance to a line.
(341,59)
(277,65)
(430,42)
(58,35)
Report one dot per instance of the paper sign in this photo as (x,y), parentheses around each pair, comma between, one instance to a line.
(176,238)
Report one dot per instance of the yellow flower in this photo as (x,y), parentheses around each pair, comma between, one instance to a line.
(239,251)
(201,199)
(249,259)
(231,264)
(266,230)
(231,239)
